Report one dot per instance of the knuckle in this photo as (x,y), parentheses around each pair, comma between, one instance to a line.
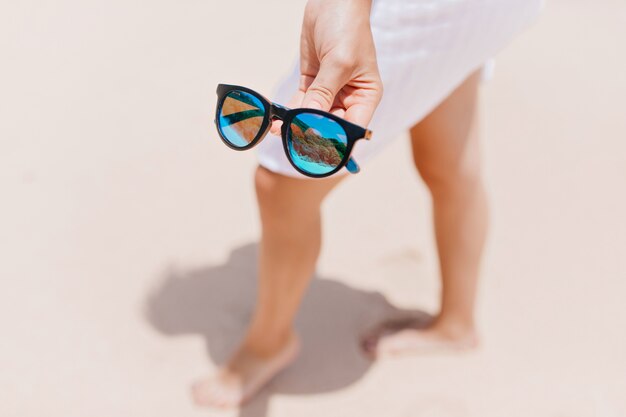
(323,92)
(381,91)
(265,183)
(342,61)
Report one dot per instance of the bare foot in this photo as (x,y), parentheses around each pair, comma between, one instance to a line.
(244,375)
(415,336)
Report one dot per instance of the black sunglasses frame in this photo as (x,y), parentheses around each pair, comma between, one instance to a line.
(275,111)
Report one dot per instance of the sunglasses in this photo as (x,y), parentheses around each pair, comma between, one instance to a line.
(317,143)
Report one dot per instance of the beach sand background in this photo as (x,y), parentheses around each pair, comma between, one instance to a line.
(127,230)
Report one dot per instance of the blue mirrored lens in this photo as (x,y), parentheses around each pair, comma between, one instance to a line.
(240,118)
(317,144)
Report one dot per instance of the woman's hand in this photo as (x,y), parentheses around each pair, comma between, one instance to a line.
(338,60)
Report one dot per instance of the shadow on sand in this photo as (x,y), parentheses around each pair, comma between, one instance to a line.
(216,302)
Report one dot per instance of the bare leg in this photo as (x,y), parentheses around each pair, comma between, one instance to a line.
(446,154)
(290,245)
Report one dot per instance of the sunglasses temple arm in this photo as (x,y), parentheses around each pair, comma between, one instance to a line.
(352,166)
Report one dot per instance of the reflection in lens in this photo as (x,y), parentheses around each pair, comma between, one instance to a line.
(240,117)
(317,144)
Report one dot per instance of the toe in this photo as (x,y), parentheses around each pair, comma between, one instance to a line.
(388,346)
(369,345)
(212,394)
(198,394)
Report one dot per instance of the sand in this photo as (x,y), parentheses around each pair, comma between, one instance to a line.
(127,230)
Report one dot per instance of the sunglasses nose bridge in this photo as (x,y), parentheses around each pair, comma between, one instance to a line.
(278,111)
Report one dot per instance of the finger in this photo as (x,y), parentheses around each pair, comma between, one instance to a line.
(330,78)
(296,99)
(275,127)
(339,112)
(294,102)
(360,113)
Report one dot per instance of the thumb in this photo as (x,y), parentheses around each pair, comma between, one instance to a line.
(320,94)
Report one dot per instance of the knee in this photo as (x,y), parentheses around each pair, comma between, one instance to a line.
(453,177)
(267,185)
(276,193)
(285,204)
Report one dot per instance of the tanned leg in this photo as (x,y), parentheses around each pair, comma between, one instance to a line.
(446,154)
(290,245)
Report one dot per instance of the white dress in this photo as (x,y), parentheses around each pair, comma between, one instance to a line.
(425,49)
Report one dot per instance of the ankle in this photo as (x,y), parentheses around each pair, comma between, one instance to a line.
(455,327)
(266,344)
